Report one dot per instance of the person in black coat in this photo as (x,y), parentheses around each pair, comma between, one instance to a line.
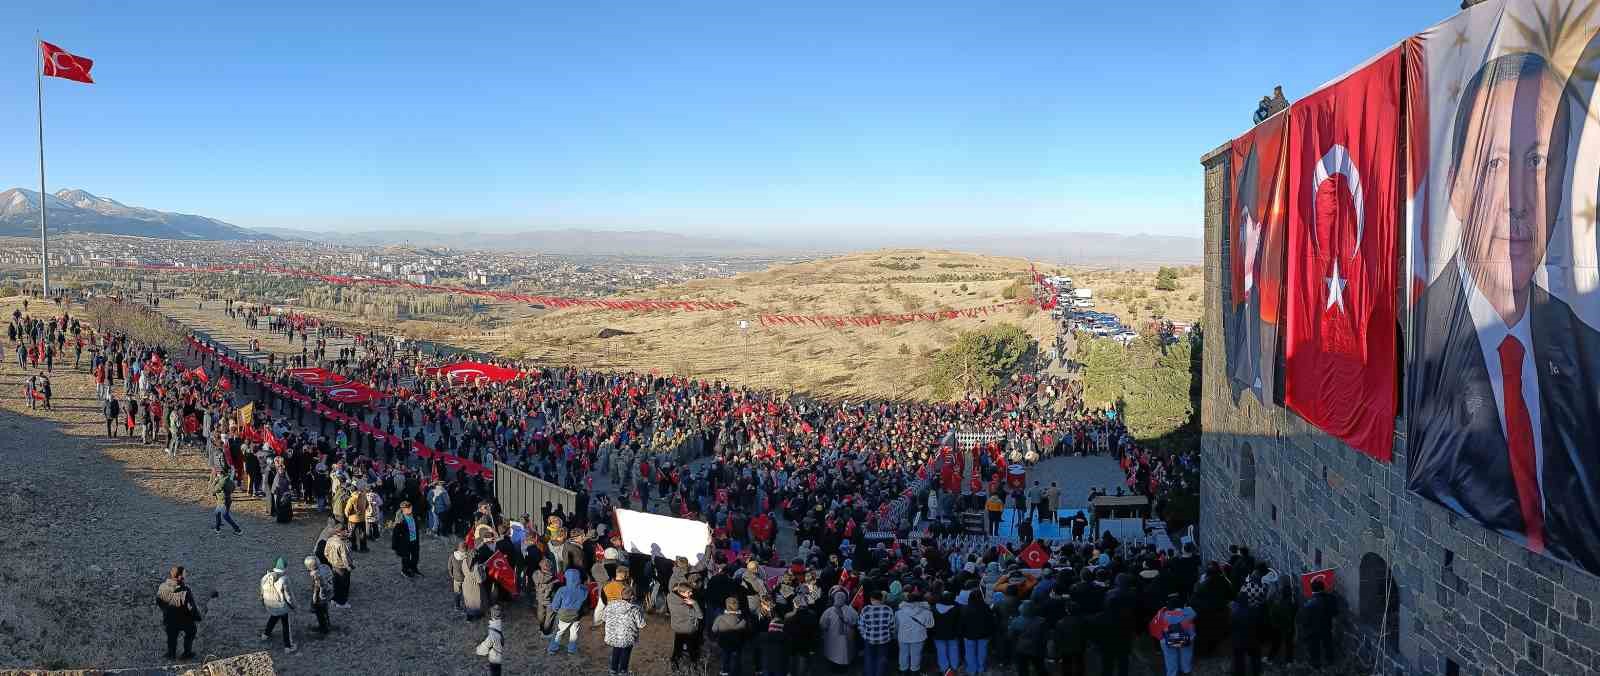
(1244,621)
(977,622)
(179,614)
(1114,635)
(113,411)
(802,632)
(405,540)
(1317,618)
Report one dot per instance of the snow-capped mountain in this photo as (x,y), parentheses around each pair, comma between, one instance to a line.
(80,211)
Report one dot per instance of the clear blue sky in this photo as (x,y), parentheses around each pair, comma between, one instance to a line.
(755,119)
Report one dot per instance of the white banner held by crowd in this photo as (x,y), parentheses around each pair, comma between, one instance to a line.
(664,536)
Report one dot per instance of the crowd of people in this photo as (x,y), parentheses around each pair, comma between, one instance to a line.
(857,587)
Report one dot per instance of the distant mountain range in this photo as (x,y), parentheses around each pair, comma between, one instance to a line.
(80,211)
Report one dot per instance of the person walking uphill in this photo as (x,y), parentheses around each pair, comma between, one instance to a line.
(275,596)
(623,620)
(179,614)
(568,607)
(222,489)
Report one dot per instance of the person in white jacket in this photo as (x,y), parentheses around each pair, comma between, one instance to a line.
(912,622)
(276,597)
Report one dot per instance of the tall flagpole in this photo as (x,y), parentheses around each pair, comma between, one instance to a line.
(44,232)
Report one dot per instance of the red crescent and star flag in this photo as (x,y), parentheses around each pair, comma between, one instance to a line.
(1306,579)
(1344,216)
(60,63)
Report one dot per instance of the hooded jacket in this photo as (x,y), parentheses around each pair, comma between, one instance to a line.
(275,593)
(686,618)
(177,604)
(912,621)
(572,596)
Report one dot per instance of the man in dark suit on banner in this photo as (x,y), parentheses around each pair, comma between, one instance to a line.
(1505,424)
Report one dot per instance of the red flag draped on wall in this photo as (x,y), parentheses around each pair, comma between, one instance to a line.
(1344,204)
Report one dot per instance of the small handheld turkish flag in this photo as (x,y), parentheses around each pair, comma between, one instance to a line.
(59,63)
(1035,555)
(1325,576)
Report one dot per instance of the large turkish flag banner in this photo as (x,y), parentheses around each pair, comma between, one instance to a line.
(1344,215)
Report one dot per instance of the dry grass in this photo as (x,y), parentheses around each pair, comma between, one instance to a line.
(853,362)
(883,361)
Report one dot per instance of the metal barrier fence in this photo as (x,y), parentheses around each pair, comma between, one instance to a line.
(522,493)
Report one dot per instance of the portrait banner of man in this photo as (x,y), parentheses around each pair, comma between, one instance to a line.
(1505,358)
(1256,246)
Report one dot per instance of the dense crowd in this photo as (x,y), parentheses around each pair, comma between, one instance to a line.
(858,589)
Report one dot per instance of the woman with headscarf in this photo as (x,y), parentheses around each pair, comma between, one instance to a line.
(896,594)
(838,629)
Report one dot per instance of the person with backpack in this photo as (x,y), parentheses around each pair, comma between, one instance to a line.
(1173,629)
(321,591)
(278,601)
(222,490)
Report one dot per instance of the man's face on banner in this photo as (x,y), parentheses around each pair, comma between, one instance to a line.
(1507,187)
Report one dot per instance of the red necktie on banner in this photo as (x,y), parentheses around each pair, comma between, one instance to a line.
(1519,442)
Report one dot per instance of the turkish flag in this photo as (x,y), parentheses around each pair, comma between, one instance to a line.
(1306,579)
(59,63)
(501,571)
(1035,555)
(1344,213)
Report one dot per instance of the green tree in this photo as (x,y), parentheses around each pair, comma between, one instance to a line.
(1152,386)
(978,361)
(1167,279)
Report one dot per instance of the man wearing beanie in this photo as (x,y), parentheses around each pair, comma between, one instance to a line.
(275,596)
